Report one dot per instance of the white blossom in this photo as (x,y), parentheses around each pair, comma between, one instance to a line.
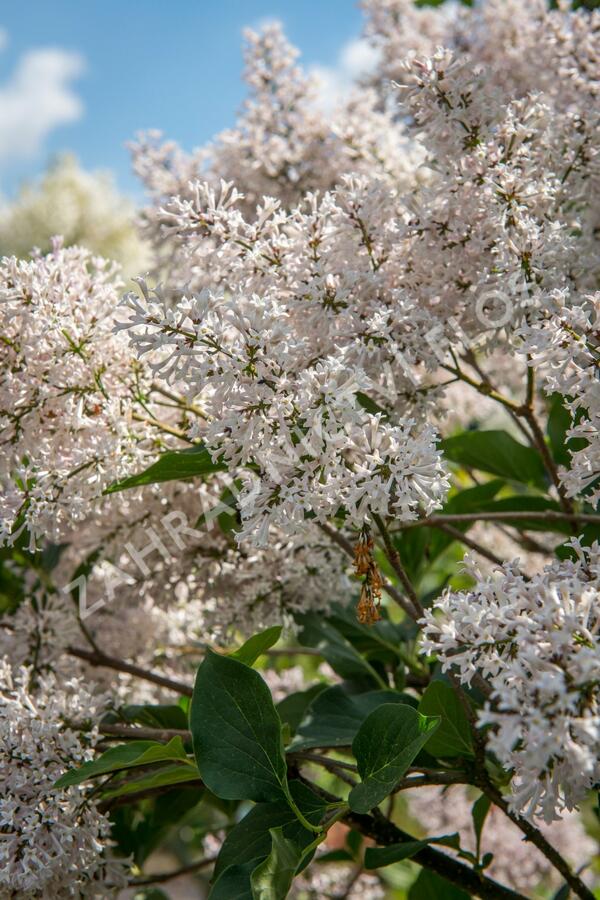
(536,641)
(53,841)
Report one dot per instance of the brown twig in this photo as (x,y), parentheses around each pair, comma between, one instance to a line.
(98,658)
(170,876)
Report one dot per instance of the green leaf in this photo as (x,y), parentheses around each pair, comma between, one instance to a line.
(234,883)
(376,857)
(385,746)
(334,716)
(125,756)
(336,649)
(257,645)
(236,732)
(155,716)
(430,886)
(292,708)
(140,828)
(272,879)
(370,406)
(172,466)
(163,777)
(453,737)
(496,452)
(479,812)
(378,641)
(250,840)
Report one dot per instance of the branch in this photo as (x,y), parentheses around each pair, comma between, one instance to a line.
(144,734)
(385,833)
(396,563)
(335,766)
(98,658)
(169,876)
(546,515)
(535,836)
(458,535)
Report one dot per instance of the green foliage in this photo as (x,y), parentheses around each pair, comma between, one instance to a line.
(453,737)
(127,756)
(175,465)
(430,886)
(335,716)
(272,879)
(250,840)
(386,744)
(498,453)
(257,645)
(340,653)
(165,776)
(236,732)
(479,812)
(377,857)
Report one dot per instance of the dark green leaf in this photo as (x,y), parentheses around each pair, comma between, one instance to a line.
(430,886)
(453,737)
(257,645)
(250,839)
(293,707)
(376,857)
(166,775)
(126,756)
(370,405)
(496,452)
(174,465)
(155,716)
(234,883)
(236,732)
(479,812)
(336,649)
(334,716)
(272,879)
(385,746)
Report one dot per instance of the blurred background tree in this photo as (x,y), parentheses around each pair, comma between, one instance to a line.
(84,207)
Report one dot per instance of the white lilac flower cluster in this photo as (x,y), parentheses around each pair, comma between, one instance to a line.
(54,843)
(565,347)
(163,582)
(66,385)
(536,641)
(276,400)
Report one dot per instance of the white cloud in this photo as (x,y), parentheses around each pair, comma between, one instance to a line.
(36,99)
(356,58)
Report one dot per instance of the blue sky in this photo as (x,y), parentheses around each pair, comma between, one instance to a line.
(108,68)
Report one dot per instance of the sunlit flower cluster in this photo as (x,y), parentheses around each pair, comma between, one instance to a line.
(53,842)
(536,641)
(66,389)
